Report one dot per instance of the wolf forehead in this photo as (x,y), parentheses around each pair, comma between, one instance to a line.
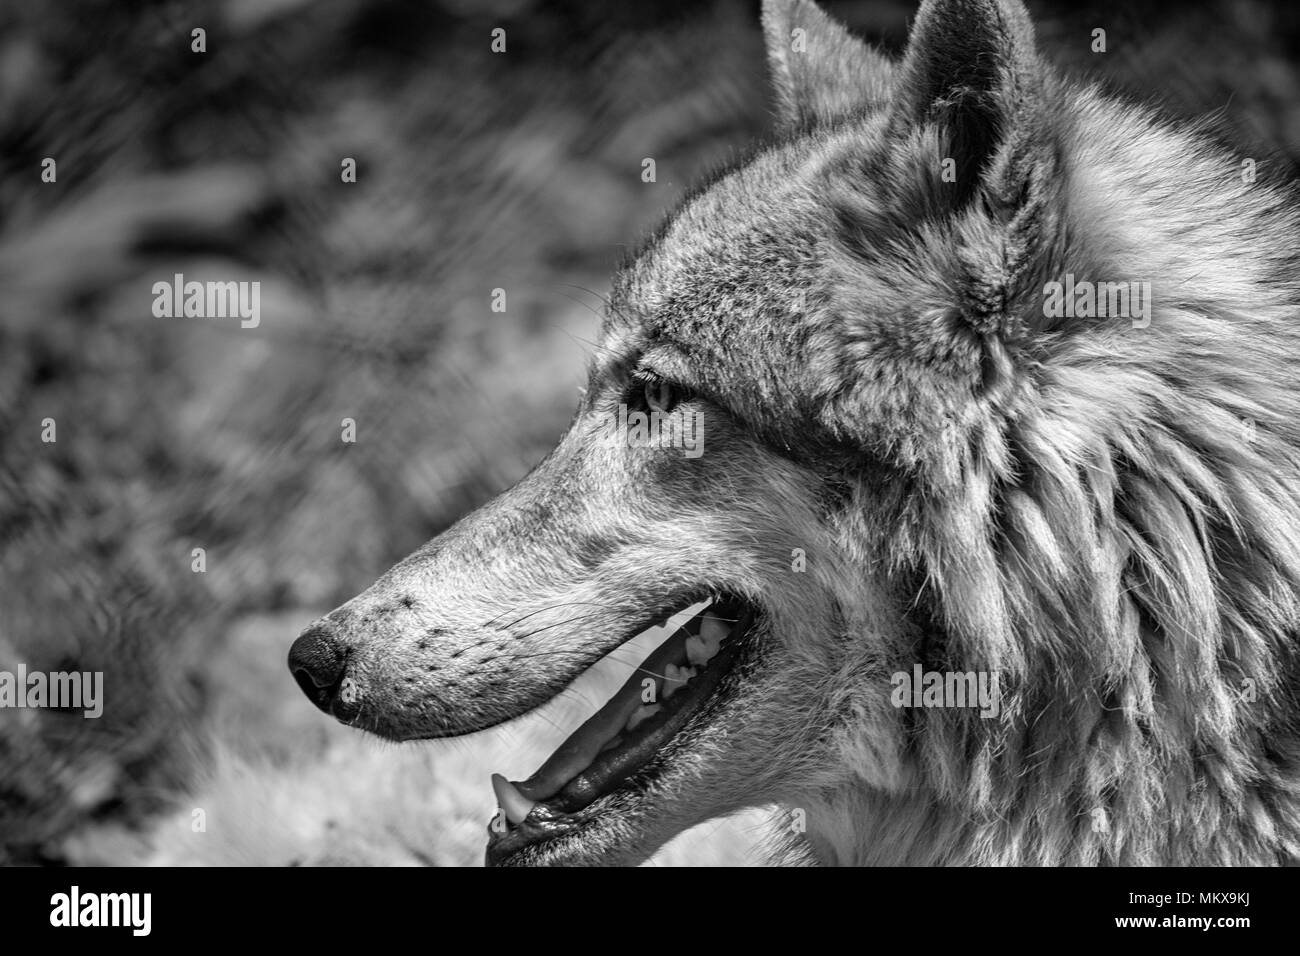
(744,253)
(806,285)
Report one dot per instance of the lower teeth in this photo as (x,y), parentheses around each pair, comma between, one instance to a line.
(699,647)
(641,716)
(675,678)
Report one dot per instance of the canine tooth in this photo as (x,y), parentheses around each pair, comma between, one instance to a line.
(509,799)
(643,714)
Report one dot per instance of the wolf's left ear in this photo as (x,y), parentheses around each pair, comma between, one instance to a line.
(821,72)
(971,68)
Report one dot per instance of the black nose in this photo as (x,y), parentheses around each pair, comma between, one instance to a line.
(317,662)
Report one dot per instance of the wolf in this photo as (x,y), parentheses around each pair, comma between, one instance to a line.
(910,466)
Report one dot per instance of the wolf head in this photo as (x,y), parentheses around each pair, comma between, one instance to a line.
(936,440)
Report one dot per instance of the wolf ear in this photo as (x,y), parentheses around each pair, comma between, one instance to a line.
(971,69)
(819,69)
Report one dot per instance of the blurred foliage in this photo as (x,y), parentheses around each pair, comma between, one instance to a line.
(476,171)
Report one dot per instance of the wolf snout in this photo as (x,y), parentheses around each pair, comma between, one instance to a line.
(317,661)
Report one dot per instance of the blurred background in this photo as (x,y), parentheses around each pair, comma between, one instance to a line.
(475,171)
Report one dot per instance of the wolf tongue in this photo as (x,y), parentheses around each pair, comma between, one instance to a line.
(585,743)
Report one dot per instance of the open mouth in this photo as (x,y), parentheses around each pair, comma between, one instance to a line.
(615,749)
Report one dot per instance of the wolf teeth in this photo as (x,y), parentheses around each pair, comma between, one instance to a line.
(672,665)
(641,715)
(700,650)
(513,803)
(695,652)
(675,677)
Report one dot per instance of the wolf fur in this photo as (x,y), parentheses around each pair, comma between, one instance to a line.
(1104,515)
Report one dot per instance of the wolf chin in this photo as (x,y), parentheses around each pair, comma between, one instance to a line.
(910,463)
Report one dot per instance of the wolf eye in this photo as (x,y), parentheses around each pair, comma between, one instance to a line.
(657,394)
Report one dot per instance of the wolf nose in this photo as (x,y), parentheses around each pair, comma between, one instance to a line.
(317,663)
